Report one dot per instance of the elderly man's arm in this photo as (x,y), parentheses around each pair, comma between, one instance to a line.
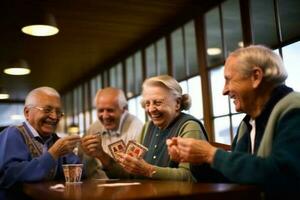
(16,164)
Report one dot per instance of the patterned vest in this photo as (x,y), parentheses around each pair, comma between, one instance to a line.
(35,148)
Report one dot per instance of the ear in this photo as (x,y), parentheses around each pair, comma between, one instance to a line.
(178,104)
(26,112)
(257,76)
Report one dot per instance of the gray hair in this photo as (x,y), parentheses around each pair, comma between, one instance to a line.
(172,86)
(31,97)
(122,101)
(263,57)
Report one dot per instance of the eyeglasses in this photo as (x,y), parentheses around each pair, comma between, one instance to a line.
(49,110)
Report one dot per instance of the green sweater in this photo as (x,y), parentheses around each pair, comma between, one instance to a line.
(190,129)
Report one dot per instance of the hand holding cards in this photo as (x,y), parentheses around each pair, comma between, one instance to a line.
(133,149)
(117,147)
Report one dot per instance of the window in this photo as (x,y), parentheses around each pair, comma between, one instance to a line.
(290,55)
(192,87)
(262,19)
(178,54)
(135,108)
(162,67)
(232,25)
(130,86)
(11,114)
(115,76)
(184,52)
(95,85)
(138,72)
(191,49)
(214,46)
(156,58)
(289,15)
(134,75)
(150,61)
(224,34)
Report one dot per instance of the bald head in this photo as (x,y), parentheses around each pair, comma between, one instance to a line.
(111,104)
(113,94)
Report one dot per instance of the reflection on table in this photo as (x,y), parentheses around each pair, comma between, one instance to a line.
(147,189)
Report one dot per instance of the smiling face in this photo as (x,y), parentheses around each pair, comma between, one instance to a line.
(239,88)
(161,106)
(45,124)
(109,111)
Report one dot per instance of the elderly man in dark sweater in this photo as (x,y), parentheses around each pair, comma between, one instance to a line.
(266,149)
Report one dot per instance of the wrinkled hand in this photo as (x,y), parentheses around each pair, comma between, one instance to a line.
(92,145)
(64,146)
(173,149)
(135,166)
(194,151)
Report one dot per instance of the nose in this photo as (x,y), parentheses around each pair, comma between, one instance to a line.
(225,90)
(103,114)
(152,107)
(54,115)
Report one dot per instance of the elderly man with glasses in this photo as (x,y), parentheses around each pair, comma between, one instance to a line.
(32,151)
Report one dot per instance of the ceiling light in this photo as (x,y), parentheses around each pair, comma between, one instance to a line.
(241,44)
(213,51)
(18,67)
(73,129)
(3,94)
(43,27)
(129,94)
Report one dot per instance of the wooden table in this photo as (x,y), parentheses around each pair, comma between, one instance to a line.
(148,189)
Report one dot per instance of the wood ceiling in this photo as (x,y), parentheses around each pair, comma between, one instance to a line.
(93,34)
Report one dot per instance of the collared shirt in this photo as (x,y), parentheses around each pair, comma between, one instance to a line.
(252,134)
(46,144)
(129,128)
(118,131)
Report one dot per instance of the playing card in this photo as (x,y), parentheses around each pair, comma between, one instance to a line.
(117,147)
(135,149)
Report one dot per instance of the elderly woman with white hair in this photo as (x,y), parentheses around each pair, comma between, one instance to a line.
(163,101)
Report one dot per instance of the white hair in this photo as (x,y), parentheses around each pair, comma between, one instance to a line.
(263,57)
(172,86)
(31,97)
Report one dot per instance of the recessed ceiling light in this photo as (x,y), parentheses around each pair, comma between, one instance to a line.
(213,51)
(241,44)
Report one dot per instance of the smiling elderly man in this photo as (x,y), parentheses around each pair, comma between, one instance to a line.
(32,151)
(114,123)
(266,149)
